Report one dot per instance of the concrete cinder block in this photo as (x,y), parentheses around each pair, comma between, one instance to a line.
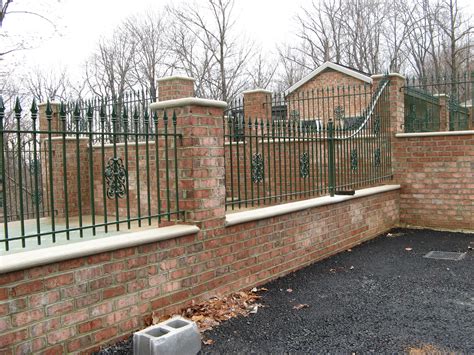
(176,336)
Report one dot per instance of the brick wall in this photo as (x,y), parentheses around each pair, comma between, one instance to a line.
(437,179)
(79,304)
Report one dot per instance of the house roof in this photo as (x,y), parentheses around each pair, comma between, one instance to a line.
(337,67)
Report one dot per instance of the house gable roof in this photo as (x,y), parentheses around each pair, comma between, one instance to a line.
(330,65)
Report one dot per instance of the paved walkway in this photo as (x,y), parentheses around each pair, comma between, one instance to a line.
(379,297)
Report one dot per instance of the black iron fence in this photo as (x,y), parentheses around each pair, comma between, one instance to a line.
(329,141)
(93,169)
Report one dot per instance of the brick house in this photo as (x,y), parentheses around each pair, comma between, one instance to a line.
(328,93)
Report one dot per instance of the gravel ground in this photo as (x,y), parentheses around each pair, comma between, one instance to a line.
(379,297)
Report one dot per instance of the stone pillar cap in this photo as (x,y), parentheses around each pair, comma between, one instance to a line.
(254,91)
(175,77)
(379,76)
(51,103)
(187,101)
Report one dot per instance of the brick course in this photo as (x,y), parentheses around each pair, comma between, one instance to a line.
(437,178)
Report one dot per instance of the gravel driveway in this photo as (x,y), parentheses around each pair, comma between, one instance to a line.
(379,297)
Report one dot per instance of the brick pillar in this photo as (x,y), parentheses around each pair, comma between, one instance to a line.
(55,121)
(175,87)
(396,104)
(257,104)
(200,158)
(443,112)
(396,100)
(55,169)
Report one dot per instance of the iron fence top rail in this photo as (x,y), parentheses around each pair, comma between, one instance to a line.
(87,133)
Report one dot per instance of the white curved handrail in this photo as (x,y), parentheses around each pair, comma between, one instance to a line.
(370,111)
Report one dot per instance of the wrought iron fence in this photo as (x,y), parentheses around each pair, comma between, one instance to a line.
(329,141)
(67,174)
(439,103)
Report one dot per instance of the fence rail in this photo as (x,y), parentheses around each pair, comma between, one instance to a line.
(67,174)
(439,103)
(338,141)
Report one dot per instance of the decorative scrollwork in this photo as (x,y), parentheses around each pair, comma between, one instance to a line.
(354,159)
(377,157)
(116,178)
(339,112)
(257,168)
(304,165)
(377,125)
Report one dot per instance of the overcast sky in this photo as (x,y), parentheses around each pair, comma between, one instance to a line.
(80,24)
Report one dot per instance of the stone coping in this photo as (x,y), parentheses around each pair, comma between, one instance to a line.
(233,219)
(379,76)
(434,134)
(255,91)
(187,101)
(175,77)
(37,257)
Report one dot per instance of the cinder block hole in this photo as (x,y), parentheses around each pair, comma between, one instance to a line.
(158,332)
(177,324)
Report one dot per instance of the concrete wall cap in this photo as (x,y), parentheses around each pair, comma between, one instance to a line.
(379,76)
(434,134)
(32,258)
(51,103)
(232,219)
(175,77)
(187,101)
(255,91)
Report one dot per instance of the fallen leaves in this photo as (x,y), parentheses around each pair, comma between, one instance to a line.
(211,313)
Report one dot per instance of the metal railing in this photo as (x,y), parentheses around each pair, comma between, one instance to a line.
(339,141)
(65,175)
(439,103)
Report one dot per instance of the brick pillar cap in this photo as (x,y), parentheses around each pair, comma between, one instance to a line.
(175,77)
(254,91)
(187,101)
(380,76)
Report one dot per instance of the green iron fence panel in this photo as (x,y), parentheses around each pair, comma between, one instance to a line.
(325,141)
(439,103)
(85,169)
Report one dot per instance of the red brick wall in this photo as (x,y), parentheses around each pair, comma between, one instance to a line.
(437,178)
(82,303)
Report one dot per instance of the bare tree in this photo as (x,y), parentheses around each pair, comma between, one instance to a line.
(151,58)
(109,70)
(293,67)
(48,85)
(457,30)
(321,31)
(212,27)
(262,71)
(10,43)
(194,60)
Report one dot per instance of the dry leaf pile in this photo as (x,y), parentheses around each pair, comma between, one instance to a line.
(219,309)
